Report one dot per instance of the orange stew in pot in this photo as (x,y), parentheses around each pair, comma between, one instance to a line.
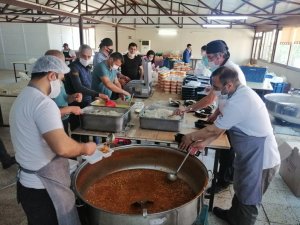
(117,192)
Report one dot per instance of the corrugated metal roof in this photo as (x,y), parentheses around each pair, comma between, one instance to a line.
(131,13)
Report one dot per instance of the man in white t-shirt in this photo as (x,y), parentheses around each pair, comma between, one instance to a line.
(217,53)
(247,122)
(42,148)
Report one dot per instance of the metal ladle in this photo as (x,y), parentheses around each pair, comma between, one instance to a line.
(173,176)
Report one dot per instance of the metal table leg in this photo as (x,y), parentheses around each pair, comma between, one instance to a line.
(214,180)
(15,72)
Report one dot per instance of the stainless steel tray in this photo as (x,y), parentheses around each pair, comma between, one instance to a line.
(106,123)
(157,123)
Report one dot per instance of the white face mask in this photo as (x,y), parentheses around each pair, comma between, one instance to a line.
(115,67)
(84,62)
(55,88)
(131,55)
(212,66)
(221,95)
(217,93)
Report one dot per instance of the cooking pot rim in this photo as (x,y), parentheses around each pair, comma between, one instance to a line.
(82,165)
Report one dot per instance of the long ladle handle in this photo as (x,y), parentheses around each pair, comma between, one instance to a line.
(187,155)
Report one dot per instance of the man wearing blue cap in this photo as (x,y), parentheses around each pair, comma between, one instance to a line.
(42,148)
(257,158)
(218,55)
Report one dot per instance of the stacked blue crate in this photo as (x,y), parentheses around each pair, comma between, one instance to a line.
(279,87)
(254,74)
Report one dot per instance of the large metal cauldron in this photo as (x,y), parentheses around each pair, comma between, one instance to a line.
(147,157)
(284,107)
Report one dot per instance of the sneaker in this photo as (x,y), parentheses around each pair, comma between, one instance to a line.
(222,214)
(219,188)
(9,162)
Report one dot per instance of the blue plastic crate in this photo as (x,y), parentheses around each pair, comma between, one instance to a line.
(254,74)
(279,87)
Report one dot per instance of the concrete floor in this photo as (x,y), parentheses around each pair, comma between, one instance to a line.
(279,206)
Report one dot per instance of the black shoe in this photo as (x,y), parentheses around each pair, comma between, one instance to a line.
(8,162)
(222,214)
(218,188)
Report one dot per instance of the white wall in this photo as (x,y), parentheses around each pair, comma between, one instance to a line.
(239,41)
(58,35)
(23,41)
(293,77)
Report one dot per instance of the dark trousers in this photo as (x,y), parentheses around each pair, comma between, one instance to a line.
(4,156)
(226,170)
(240,214)
(37,205)
(267,177)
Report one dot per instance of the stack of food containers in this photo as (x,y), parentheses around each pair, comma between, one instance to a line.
(167,85)
(171,81)
(173,84)
(162,75)
(179,84)
(181,66)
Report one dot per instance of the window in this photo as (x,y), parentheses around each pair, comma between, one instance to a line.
(294,59)
(89,37)
(256,46)
(288,47)
(282,49)
(267,45)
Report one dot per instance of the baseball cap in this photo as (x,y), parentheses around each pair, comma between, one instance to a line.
(49,63)
(216,46)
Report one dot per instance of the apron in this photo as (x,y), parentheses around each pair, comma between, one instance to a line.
(248,166)
(67,55)
(56,179)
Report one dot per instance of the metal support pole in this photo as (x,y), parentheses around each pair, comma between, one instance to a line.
(81,30)
(116,38)
(80,23)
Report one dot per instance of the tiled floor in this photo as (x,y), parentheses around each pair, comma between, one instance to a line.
(279,206)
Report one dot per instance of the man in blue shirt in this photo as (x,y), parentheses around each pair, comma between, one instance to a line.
(63,99)
(104,77)
(187,54)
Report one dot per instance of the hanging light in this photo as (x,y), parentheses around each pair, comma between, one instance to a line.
(227,17)
(216,26)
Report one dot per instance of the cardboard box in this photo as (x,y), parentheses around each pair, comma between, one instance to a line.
(285,149)
(290,167)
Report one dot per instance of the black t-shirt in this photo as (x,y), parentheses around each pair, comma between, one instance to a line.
(130,67)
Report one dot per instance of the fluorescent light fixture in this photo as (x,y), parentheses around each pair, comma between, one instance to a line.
(167,32)
(216,25)
(227,17)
